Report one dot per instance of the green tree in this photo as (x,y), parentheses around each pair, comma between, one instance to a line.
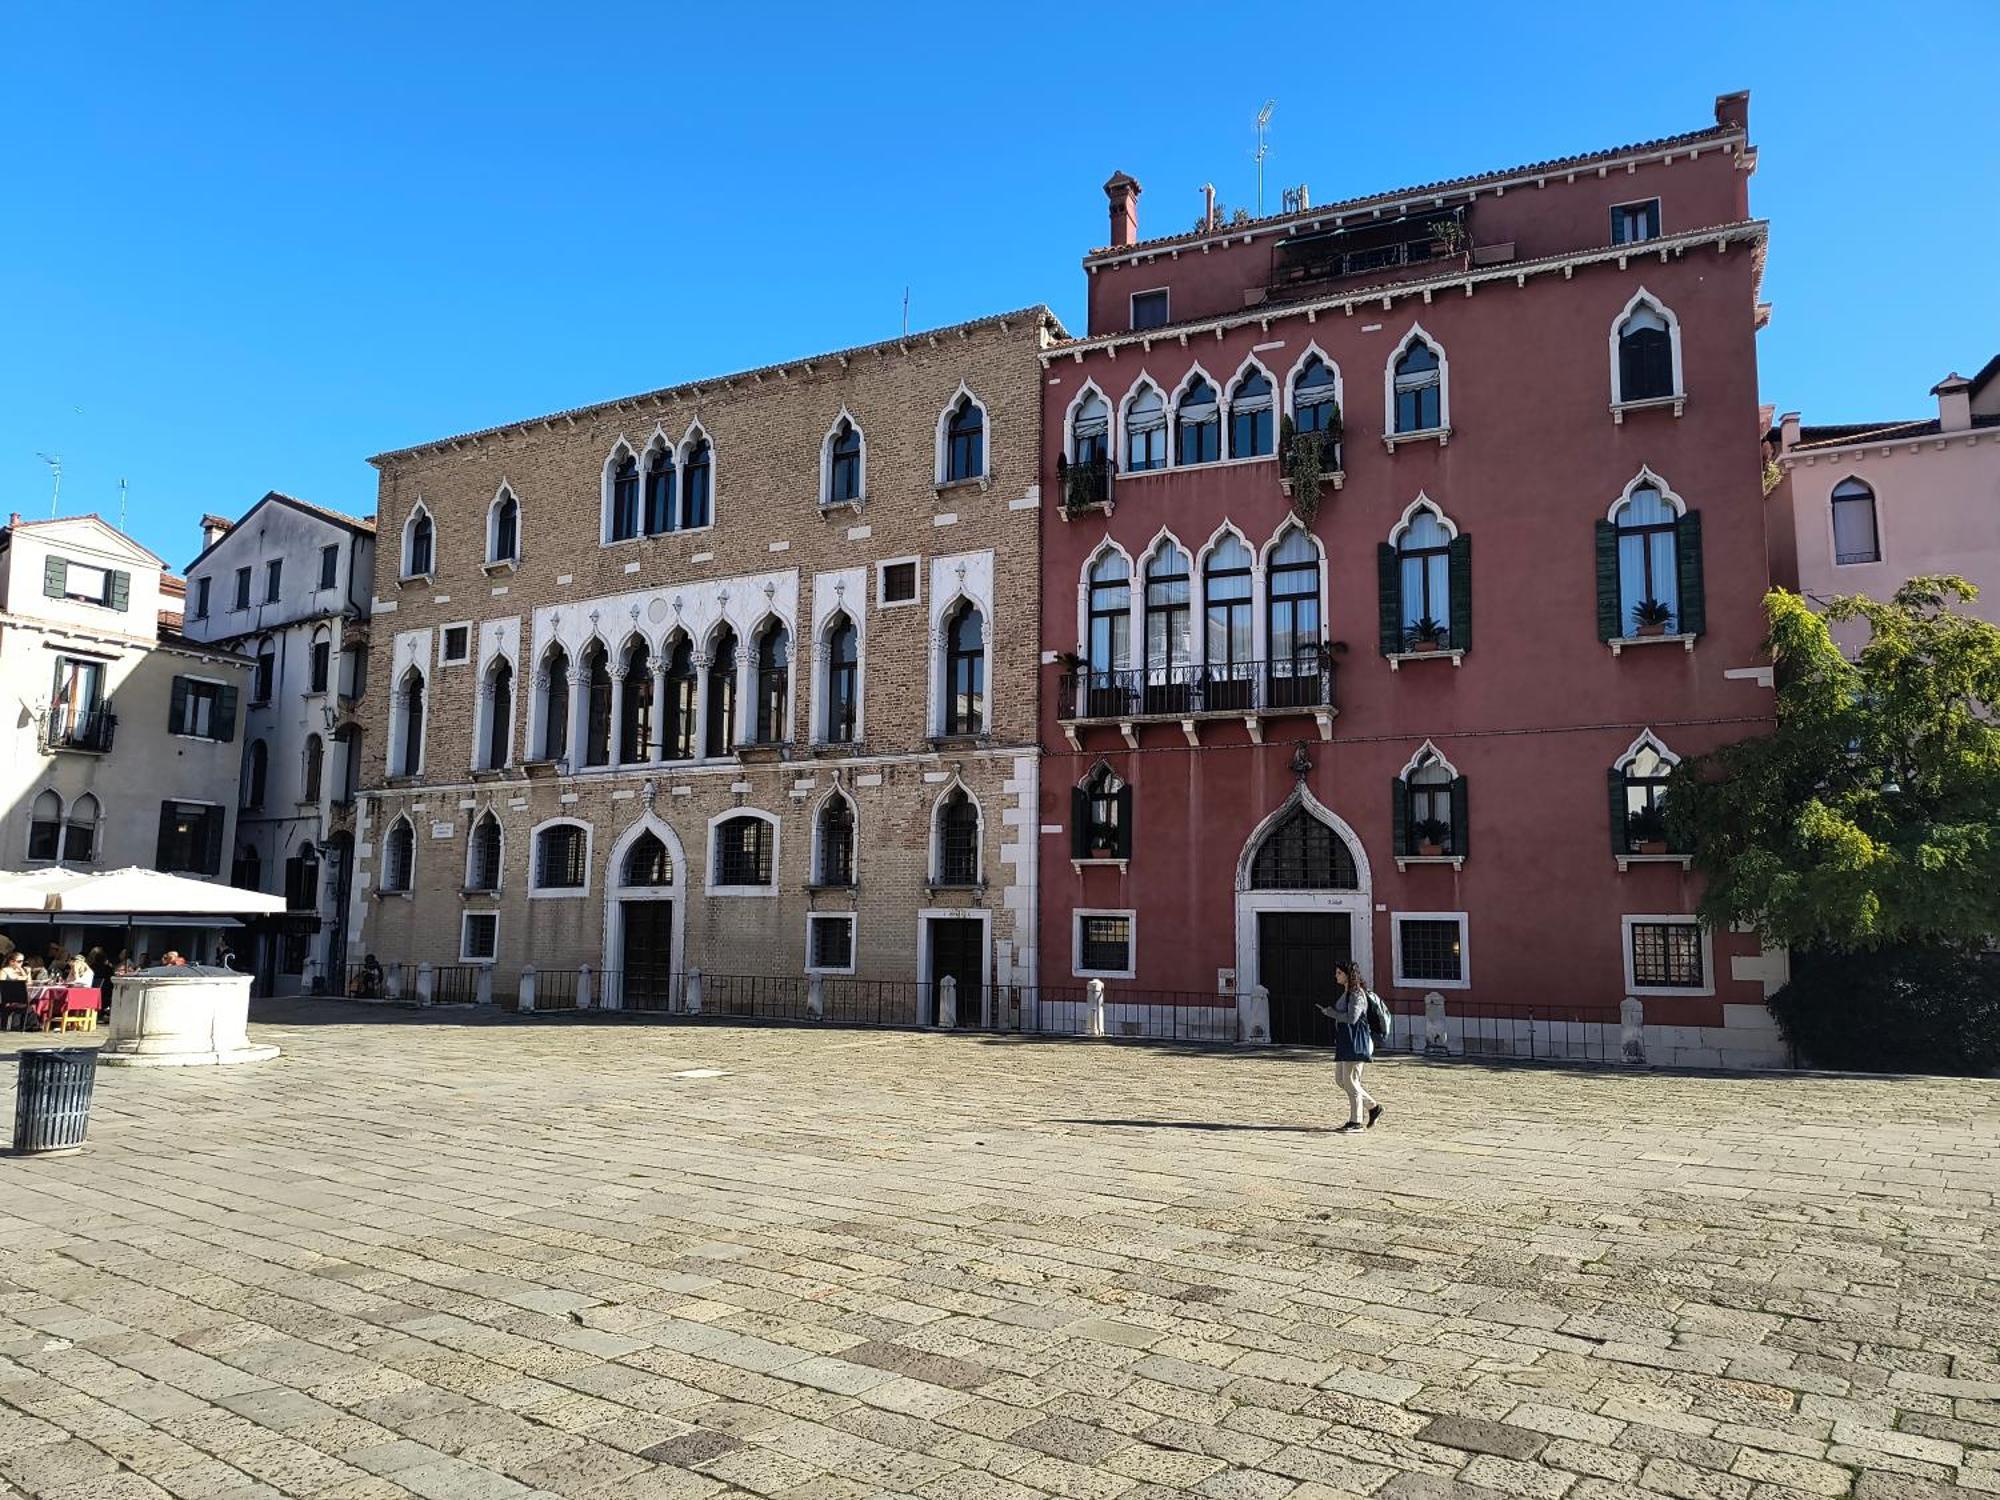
(1871,816)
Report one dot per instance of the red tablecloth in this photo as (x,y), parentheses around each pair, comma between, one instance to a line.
(50,1003)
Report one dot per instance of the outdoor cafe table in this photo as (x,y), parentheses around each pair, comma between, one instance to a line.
(48,1003)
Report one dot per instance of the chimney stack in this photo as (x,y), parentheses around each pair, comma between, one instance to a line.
(213,529)
(1123,192)
(1788,429)
(1954,394)
(1208,208)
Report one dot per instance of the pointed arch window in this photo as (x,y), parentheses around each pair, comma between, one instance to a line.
(417,545)
(1426,578)
(1428,809)
(1419,389)
(624,497)
(836,842)
(635,717)
(1855,539)
(659,489)
(399,853)
(499,709)
(247,873)
(1145,430)
(965,441)
(411,761)
(1198,425)
(1089,432)
(958,839)
(843,680)
(1316,398)
(80,830)
(965,670)
(315,767)
(482,857)
(843,463)
(1298,672)
(597,705)
(697,480)
(1250,426)
(1638,784)
(1101,816)
(503,539)
(1645,356)
(1169,630)
(774,668)
(722,694)
(555,704)
(1303,854)
(45,826)
(680,705)
(1228,624)
(1649,574)
(647,863)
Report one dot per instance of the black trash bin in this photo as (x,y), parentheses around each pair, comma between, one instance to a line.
(52,1098)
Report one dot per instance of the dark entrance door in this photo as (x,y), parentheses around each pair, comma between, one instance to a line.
(648,959)
(958,948)
(1296,952)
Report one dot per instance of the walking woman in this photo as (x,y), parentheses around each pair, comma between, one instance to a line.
(1354,1013)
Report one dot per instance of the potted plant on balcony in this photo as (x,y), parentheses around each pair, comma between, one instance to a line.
(1304,460)
(1651,617)
(1646,831)
(1084,485)
(1448,237)
(1427,635)
(1432,836)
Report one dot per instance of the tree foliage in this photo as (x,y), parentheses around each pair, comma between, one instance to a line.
(1871,815)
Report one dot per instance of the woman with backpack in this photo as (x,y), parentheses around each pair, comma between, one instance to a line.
(1358,1016)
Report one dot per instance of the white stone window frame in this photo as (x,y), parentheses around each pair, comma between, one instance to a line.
(695,435)
(61,822)
(1623,765)
(1644,479)
(845,793)
(941,467)
(1289,408)
(1122,455)
(1130,916)
(1084,393)
(934,877)
(1440,434)
(853,921)
(622,447)
(972,573)
(822,661)
(1676,398)
(1874,488)
(399,719)
(403,555)
(748,648)
(709,868)
(616,892)
(471,837)
(488,704)
(495,563)
(538,698)
(1280,405)
(882,567)
(471,638)
(465,921)
(382,887)
(539,892)
(1403,981)
(1631,920)
(1454,654)
(826,500)
(1175,399)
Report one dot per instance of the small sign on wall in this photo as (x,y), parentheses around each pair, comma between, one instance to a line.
(1225,981)
(441,830)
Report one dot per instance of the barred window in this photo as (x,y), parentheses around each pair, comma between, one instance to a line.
(398,855)
(1303,854)
(483,867)
(958,840)
(481,938)
(1431,950)
(1104,945)
(832,942)
(559,857)
(743,852)
(1667,955)
(647,863)
(836,841)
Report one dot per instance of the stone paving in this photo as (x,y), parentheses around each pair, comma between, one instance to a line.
(462,1261)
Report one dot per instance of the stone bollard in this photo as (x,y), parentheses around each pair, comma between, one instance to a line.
(482,986)
(1437,1026)
(1632,1031)
(816,996)
(583,986)
(1093,1012)
(1253,1016)
(424,978)
(694,992)
(524,996)
(948,1003)
(392,982)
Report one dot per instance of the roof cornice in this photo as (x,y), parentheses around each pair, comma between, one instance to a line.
(1749,231)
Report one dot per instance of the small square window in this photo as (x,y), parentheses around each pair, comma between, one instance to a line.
(1430,950)
(830,944)
(457,644)
(1667,955)
(480,940)
(899,582)
(1632,222)
(1104,944)
(1150,309)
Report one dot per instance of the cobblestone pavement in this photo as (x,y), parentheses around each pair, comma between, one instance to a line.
(460,1261)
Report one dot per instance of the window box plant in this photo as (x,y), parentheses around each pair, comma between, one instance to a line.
(1427,635)
(1085,486)
(1433,836)
(1646,831)
(1306,460)
(1651,617)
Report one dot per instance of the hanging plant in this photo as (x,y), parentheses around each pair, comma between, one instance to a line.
(1307,457)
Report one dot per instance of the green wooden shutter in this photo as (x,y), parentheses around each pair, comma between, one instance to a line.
(166,843)
(1687,560)
(1460,565)
(225,713)
(1399,816)
(1389,577)
(121,590)
(1610,615)
(1621,842)
(177,705)
(211,858)
(1125,821)
(55,577)
(1461,830)
(1079,823)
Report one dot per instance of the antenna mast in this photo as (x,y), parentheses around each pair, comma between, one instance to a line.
(54,461)
(122,497)
(1263,150)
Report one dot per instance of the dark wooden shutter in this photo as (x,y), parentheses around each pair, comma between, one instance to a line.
(166,844)
(1079,822)
(1125,821)
(121,590)
(1389,577)
(55,577)
(211,857)
(1610,616)
(1460,565)
(1399,816)
(1621,842)
(177,704)
(1461,830)
(225,712)
(1687,559)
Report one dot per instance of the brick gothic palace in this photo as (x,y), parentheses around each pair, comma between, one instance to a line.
(1396,548)
(733,677)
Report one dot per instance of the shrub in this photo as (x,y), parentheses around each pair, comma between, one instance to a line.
(1894,1010)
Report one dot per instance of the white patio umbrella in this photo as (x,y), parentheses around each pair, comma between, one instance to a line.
(132,892)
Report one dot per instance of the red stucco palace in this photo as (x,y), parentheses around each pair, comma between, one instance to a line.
(1392,551)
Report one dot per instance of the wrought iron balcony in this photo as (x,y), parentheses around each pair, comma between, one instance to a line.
(1084,484)
(89,730)
(1235,690)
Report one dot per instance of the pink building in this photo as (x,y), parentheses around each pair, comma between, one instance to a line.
(1864,506)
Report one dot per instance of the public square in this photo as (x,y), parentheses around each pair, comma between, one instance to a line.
(586,1259)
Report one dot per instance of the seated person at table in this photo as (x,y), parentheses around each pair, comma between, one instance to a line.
(14,992)
(79,971)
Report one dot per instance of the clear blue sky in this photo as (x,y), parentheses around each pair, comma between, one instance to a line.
(243,247)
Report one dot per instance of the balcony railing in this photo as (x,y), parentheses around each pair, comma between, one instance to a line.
(1361,249)
(88,729)
(1238,688)
(1085,484)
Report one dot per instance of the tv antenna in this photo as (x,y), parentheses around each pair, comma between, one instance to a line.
(1263,150)
(54,461)
(123,496)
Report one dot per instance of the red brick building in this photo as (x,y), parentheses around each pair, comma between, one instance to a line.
(1393,550)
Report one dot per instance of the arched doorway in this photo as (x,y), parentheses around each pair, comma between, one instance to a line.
(643,920)
(1301,907)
